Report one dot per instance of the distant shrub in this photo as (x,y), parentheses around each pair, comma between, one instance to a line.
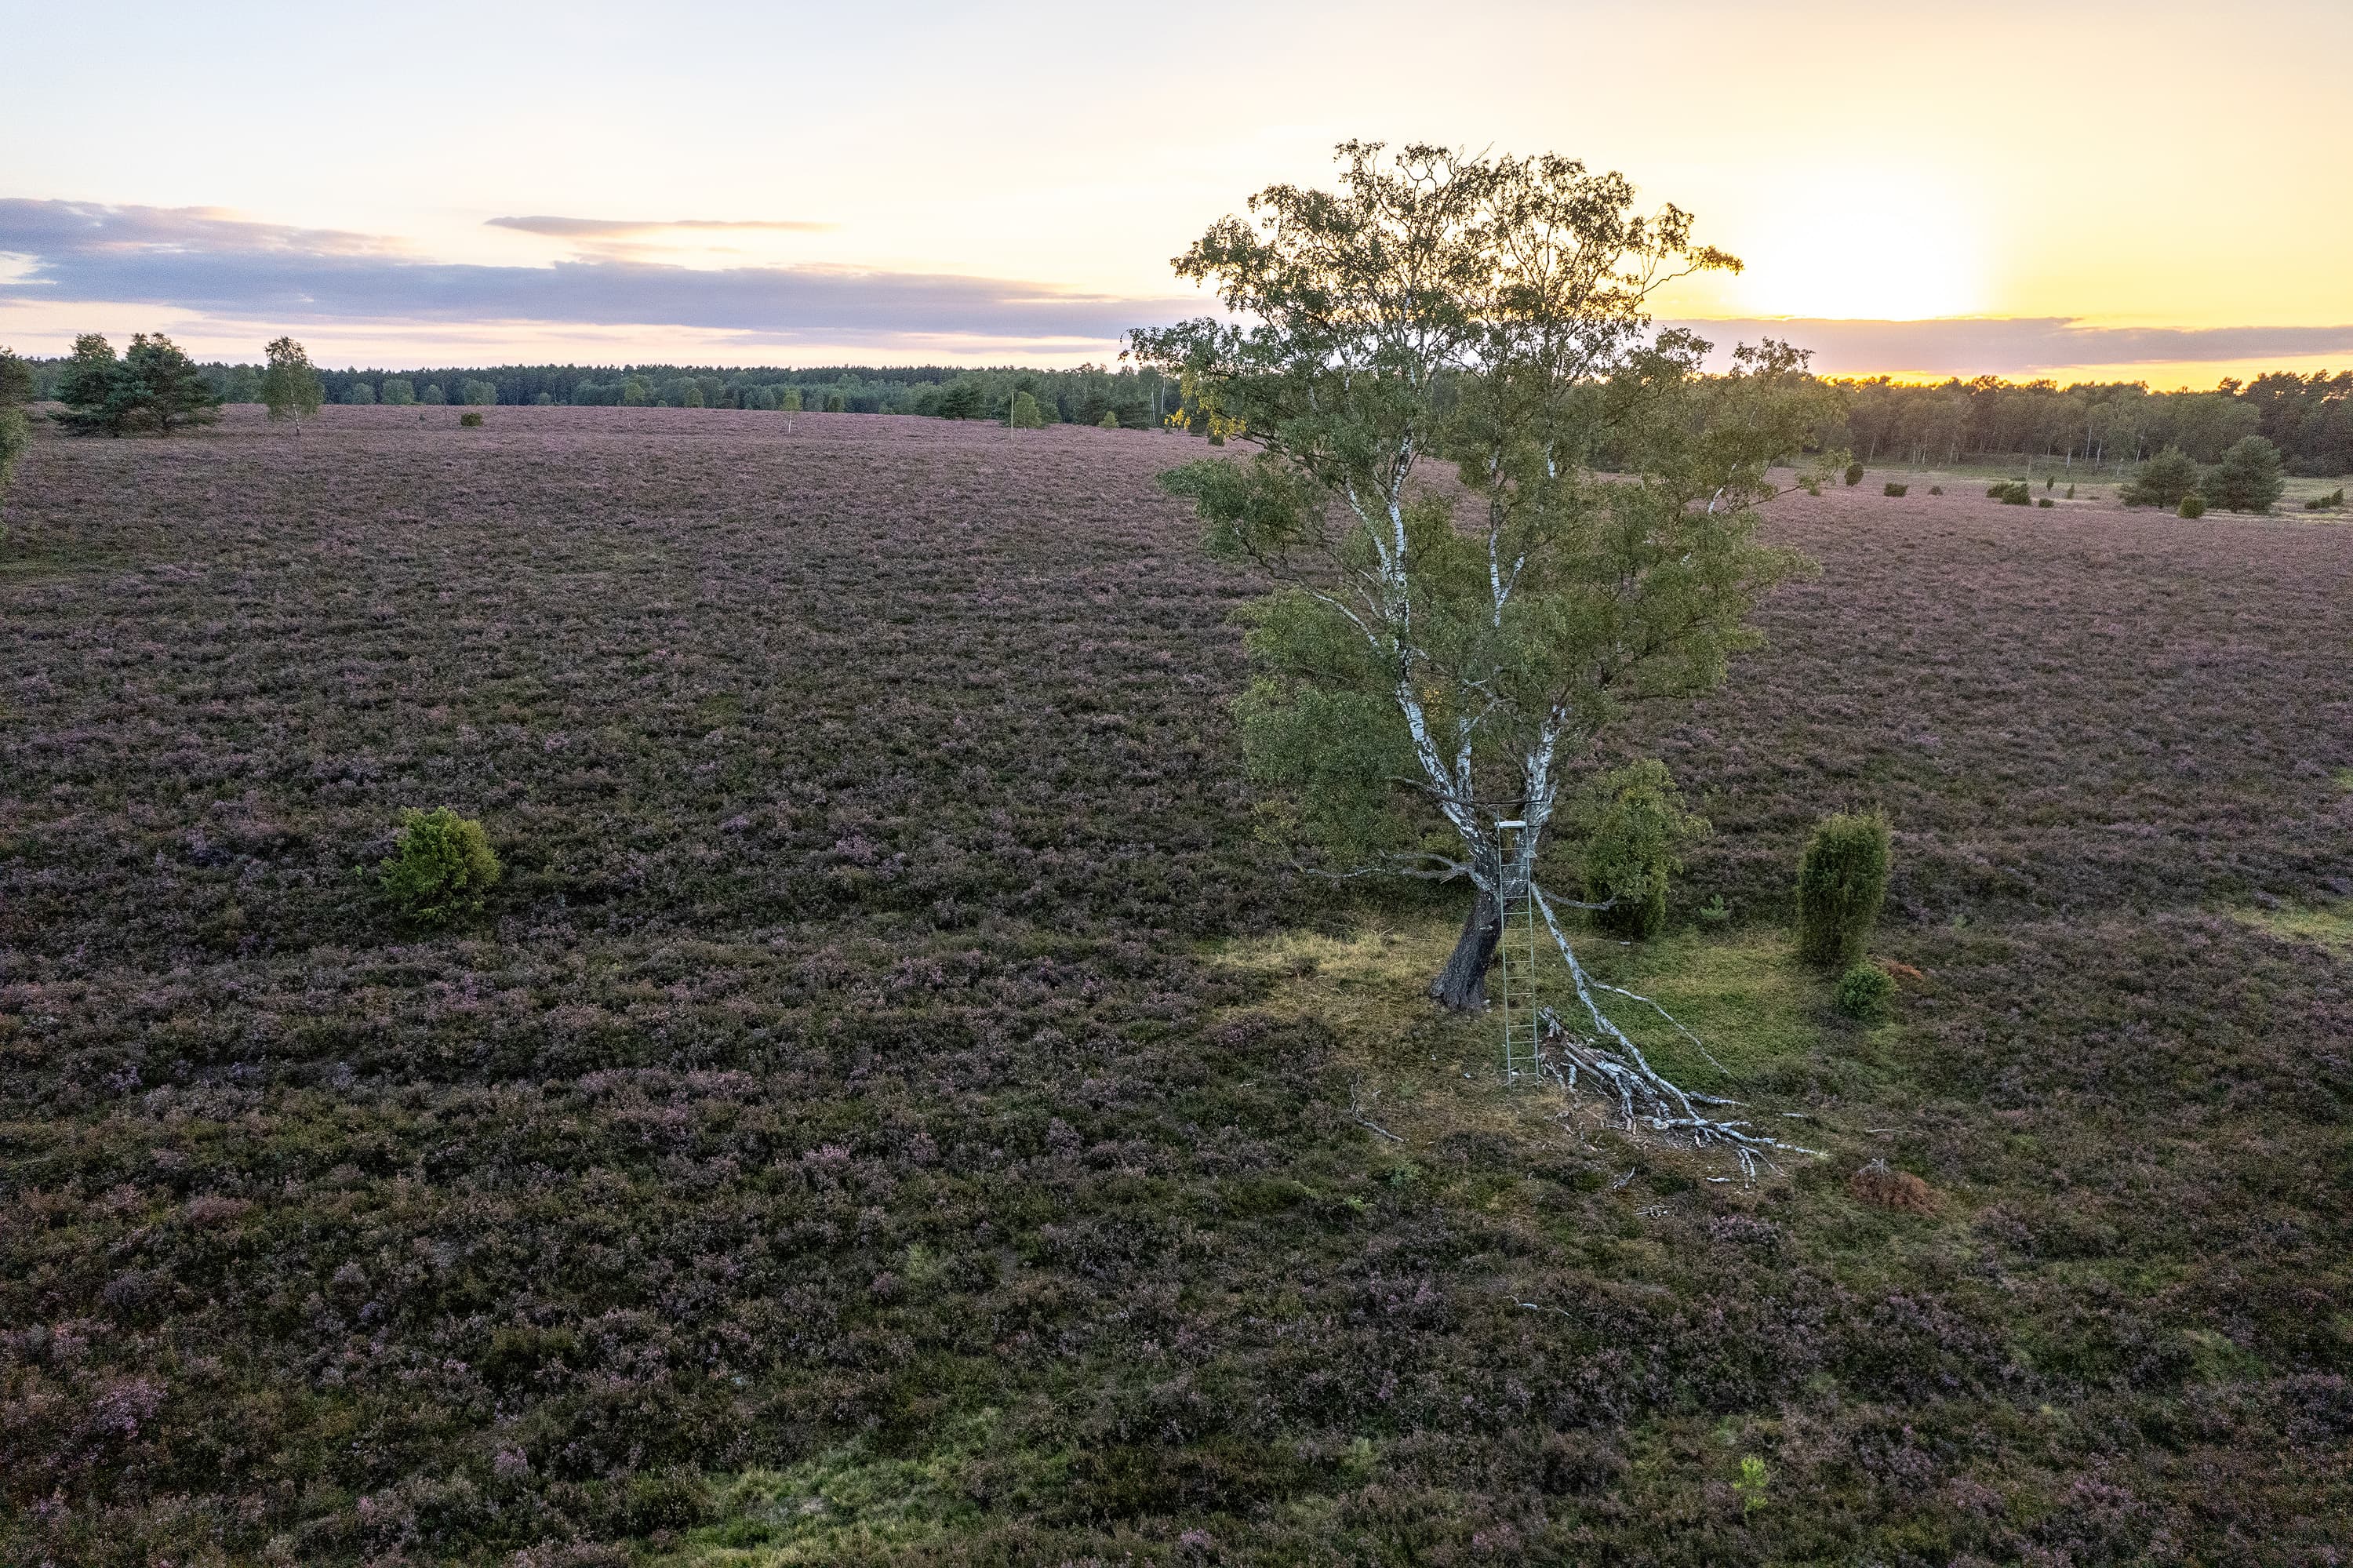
(433,395)
(834,403)
(13,439)
(2045,501)
(1631,853)
(1891,488)
(2192,506)
(1109,421)
(2328,503)
(1935,490)
(2162,480)
(471,420)
(544,400)
(788,401)
(477,394)
(2010,493)
(1853,474)
(2248,479)
(692,397)
(399,391)
(441,867)
(2052,483)
(2071,492)
(1841,882)
(359,393)
(1884,1187)
(1026,415)
(1864,993)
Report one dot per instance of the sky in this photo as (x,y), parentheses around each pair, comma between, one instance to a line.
(2138,192)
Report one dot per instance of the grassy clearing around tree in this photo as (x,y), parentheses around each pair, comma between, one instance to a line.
(888,1112)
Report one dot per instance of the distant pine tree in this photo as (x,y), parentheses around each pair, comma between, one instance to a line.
(2248,479)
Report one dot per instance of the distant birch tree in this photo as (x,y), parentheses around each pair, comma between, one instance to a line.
(290,388)
(1443,649)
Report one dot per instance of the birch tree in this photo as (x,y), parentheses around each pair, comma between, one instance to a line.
(1498,511)
(290,386)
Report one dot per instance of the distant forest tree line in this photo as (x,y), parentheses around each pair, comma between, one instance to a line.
(2308,418)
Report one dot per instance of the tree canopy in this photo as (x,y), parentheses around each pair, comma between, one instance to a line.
(1445,649)
(153,386)
(290,388)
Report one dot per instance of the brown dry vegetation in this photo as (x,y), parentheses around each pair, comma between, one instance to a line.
(890,1114)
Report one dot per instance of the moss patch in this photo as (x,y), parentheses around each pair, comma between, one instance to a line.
(2328,927)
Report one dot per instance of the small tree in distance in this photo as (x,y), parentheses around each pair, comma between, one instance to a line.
(1431,662)
(2248,479)
(290,388)
(168,388)
(2162,480)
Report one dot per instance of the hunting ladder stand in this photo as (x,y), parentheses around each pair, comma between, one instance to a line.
(1516,952)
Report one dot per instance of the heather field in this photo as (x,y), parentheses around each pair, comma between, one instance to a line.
(891,1111)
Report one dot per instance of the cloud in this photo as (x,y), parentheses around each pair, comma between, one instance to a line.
(614,227)
(216,264)
(204,261)
(2020,345)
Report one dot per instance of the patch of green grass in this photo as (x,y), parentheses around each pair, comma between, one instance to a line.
(1764,1031)
(849,1501)
(2327,927)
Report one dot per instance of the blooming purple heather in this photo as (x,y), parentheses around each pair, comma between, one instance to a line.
(837,1091)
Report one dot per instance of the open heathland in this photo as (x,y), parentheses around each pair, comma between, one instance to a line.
(889,1110)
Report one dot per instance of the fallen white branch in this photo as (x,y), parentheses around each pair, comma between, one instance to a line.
(1646,1098)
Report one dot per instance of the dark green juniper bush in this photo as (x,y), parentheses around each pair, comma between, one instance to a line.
(441,868)
(1866,992)
(1436,656)
(2162,480)
(1842,883)
(2248,478)
(1633,848)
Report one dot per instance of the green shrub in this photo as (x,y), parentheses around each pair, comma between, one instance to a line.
(1842,883)
(2163,480)
(834,403)
(2328,503)
(471,420)
(1866,993)
(1853,474)
(13,439)
(2071,492)
(1935,490)
(1631,853)
(1026,414)
(1891,488)
(2192,506)
(441,867)
(2248,479)
(1109,421)
(2052,484)
(2046,501)
(2010,493)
